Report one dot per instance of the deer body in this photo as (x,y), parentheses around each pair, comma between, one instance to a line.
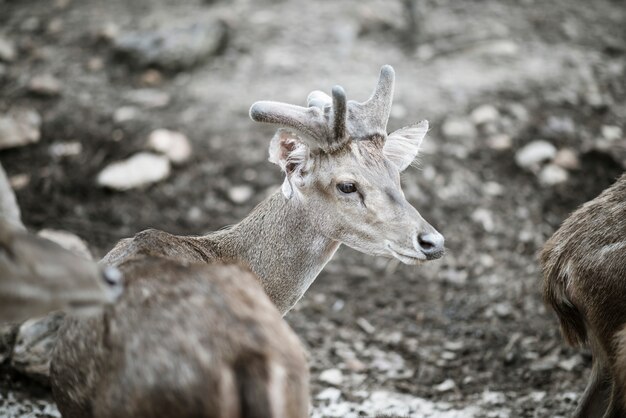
(185,340)
(342,185)
(584,271)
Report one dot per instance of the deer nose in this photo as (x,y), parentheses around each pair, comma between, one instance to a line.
(431,244)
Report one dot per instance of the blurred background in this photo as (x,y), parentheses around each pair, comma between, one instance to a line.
(526,102)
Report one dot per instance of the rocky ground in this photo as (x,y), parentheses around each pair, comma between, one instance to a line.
(526,101)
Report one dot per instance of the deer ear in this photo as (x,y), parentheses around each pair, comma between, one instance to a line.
(293,156)
(402,146)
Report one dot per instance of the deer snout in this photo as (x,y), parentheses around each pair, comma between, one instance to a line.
(431,244)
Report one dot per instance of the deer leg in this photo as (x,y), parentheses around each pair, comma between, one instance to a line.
(594,400)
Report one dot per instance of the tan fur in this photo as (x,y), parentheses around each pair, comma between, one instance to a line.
(584,272)
(196,340)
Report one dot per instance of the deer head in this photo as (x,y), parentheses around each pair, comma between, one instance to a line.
(344,168)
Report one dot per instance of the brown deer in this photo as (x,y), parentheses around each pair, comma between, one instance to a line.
(584,269)
(193,339)
(37,276)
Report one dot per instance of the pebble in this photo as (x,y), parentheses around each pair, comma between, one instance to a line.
(552,175)
(7,50)
(19,181)
(45,85)
(240,194)
(148,98)
(19,128)
(67,240)
(125,114)
(484,114)
(500,142)
(612,132)
(458,128)
(329,394)
(139,170)
(66,149)
(571,363)
(365,325)
(567,158)
(445,386)
(174,145)
(534,153)
(332,377)
(484,218)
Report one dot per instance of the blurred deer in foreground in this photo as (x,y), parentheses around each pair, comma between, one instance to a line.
(38,276)
(584,268)
(194,339)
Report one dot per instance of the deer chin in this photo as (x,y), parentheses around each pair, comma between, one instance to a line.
(407,256)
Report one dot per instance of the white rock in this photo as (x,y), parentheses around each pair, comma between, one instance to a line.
(458,128)
(240,194)
(173,145)
(567,158)
(139,170)
(612,132)
(365,325)
(534,153)
(484,217)
(329,394)
(484,114)
(125,114)
(7,50)
(500,142)
(68,241)
(571,363)
(45,85)
(445,386)
(332,377)
(19,128)
(552,175)
(66,149)
(148,98)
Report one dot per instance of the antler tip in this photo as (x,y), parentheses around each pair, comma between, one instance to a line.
(387,71)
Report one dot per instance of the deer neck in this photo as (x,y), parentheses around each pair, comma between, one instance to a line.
(278,242)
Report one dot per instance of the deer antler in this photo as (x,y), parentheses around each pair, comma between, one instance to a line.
(329,123)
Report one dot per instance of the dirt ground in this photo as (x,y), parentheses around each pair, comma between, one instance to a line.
(467,336)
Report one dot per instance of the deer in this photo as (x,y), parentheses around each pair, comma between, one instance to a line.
(37,276)
(199,330)
(584,268)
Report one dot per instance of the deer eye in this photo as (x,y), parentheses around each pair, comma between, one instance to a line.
(346,187)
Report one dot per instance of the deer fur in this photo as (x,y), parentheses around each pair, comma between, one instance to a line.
(185,340)
(192,340)
(584,271)
(38,276)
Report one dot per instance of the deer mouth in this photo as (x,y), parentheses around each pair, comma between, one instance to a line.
(406,256)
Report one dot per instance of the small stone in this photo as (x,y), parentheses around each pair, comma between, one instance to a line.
(66,149)
(139,170)
(151,78)
(68,241)
(484,218)
(19,181)
(125,114)
(95,64)
(329,394)
(484,114)
(560,125)
(7,50)
(54,27)
(148,98)
(458,128)
(355,365)
(500,142)
(567,158)
(503,309)
(535,153)
(45,85)
(445,386)
(552,175)
(240,194)
(19,127)
(454,345)
(493,398)
(108,32)
(332,377)
(612,132)
(571,363)
(491,188)
(454,276)
(365,325)
(172,144)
